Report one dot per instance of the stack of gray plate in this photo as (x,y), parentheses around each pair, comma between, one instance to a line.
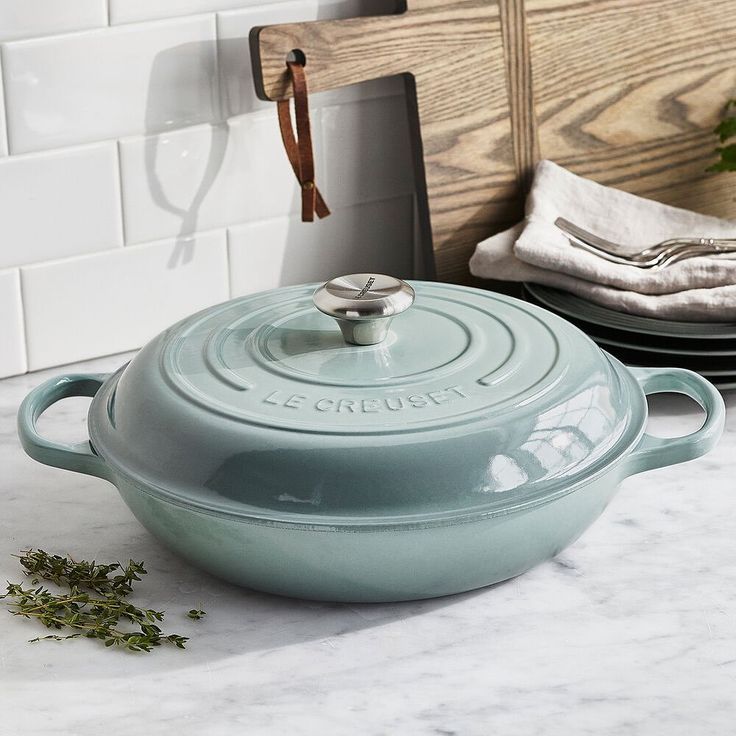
(709,348)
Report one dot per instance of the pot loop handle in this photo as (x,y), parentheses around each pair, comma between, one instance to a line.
(655,452)
(79,456)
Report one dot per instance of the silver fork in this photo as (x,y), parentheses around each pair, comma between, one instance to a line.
(659,255)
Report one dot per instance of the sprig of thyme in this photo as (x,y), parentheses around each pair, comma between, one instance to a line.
(94,605)
(726,130)
(66,572)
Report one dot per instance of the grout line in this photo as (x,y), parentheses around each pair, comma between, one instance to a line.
(220,113)
(134,135)
(24,321)
(73,146)
(101,29)
(228,264)
(4,102)
(224,11)
(119,166)
(132,248)
(160,20)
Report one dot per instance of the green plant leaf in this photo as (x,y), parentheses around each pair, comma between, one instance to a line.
(728,159)
(93,604)
(726,128)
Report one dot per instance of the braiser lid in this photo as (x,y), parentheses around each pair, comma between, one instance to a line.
(264,405)
(275,360)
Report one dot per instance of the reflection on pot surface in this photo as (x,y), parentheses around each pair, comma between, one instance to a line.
(477,438)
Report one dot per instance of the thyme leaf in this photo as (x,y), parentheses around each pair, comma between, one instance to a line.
(93,604)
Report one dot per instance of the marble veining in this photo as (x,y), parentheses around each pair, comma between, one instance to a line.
(631,630)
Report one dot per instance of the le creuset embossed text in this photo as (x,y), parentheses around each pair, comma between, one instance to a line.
(372,440)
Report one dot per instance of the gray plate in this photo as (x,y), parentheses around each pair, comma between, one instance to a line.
(573,306)
(623,343)
(637,348)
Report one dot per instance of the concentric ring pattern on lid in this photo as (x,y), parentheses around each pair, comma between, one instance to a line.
(451,358)
(469,390)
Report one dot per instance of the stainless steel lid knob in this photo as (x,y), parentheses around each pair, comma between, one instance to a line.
(364,304)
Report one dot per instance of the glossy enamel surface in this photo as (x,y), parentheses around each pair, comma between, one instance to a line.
(481,437)
(371,564)
(259,407)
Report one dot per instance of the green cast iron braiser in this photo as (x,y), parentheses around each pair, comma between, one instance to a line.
(411,453)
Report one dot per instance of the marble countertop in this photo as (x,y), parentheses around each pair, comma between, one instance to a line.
(632,630)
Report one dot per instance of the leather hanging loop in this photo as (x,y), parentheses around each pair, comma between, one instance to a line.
(299,150)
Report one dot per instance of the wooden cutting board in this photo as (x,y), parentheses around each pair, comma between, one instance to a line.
(623,91)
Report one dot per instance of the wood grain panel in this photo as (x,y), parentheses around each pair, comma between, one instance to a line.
(454,55)
(627,93)
(520,87)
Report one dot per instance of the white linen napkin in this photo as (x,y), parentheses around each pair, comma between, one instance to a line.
(699,289)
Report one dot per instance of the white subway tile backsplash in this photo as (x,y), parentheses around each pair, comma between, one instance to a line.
(375,236)
(12,340)
(141,179)
(207,177)
(103,84)
(369,151)
(59,203)
(3,132)
(128,11)
(233,29)
(116,301)
(29,18)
